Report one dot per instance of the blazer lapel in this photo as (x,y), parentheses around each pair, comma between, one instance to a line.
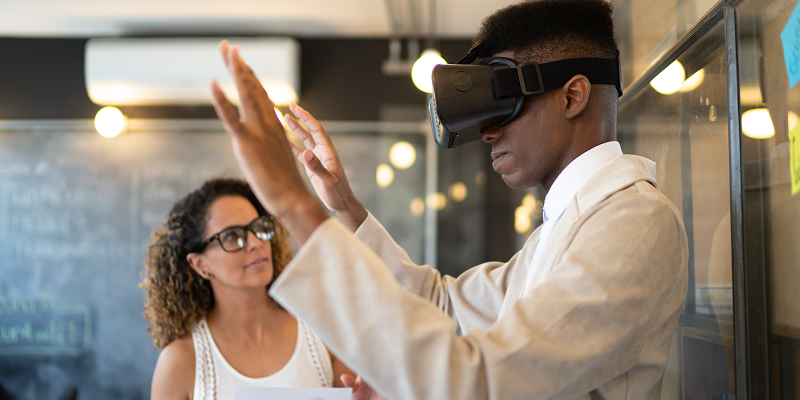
(620,173)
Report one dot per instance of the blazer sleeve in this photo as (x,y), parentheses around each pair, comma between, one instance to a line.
(473,299)
(580,328)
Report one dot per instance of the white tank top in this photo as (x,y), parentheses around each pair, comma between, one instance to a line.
(215,379)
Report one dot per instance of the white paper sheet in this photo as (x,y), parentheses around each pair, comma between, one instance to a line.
(262,393)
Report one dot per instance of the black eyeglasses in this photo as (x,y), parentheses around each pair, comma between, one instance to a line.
(234,238)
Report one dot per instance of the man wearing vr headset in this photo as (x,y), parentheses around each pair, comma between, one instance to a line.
(585,310)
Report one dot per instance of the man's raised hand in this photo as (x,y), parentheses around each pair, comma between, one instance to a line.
(324,168)
(263,151)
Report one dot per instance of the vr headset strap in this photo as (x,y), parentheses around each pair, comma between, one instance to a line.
(555,74)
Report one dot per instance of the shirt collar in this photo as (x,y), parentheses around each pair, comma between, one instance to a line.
(575,175)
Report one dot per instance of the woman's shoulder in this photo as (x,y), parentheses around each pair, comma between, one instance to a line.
(179,351)
(173,377)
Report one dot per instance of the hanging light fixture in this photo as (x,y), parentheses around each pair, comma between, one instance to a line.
(422,72)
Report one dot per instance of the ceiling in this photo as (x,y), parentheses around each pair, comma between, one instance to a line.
(309,18)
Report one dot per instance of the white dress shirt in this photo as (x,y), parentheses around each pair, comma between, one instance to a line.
(564,189)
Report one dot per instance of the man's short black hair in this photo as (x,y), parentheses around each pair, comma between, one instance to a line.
(550,30)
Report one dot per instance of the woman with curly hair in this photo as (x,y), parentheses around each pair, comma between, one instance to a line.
(207,275)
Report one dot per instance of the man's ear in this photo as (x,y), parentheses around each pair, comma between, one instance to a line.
(197,263)
(576,95)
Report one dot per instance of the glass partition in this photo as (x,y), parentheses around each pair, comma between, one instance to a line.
(682,125)
(387,174)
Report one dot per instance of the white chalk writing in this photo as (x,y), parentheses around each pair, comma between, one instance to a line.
(67,222)
(57,333)
(61,251)
(164,172)
(37,326)
(154,194)
(25,305)
(55,197)
(14,170)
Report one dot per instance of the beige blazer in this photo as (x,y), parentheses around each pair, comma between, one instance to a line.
(597,326)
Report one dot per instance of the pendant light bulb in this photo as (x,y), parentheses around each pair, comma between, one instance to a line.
(110,122)
(422,71)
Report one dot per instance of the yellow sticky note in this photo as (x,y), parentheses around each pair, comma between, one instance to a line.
(794,158)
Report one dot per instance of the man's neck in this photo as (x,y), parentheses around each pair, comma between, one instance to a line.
(586,136)
(571,154)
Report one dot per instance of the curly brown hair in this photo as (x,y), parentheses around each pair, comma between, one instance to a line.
(177,297)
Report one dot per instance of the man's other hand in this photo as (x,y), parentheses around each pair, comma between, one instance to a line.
(361,391)
(324,168)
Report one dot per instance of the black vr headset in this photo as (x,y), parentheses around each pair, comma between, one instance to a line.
(469,98)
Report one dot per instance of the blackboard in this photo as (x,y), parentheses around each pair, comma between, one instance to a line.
(76,211)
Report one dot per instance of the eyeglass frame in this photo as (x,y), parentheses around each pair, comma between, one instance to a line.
(246,228)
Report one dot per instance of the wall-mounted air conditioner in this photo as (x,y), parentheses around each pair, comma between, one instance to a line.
(178,71)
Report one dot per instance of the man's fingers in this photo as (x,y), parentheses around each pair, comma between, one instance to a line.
(347,380)
(301,132)
(254,103)
(314,165)
(224,47)
(245,98)
(225,110)
(267,106)
(314,127)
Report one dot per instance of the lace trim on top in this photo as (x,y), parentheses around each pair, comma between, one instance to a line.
(314,345)
(205,370)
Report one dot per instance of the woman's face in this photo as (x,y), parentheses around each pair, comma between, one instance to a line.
(249,267)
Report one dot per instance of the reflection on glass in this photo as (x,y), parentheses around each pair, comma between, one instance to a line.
(458,191)
(670,79)
(436,200)
(528,213)
(402,155)
(361,154)
(480,178)
(646,29)
(757,124)
(384,175)
(693,81)
(686,134)
(417,207)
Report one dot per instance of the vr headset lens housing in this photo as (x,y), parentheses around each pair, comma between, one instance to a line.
(470,98)
(463,103)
